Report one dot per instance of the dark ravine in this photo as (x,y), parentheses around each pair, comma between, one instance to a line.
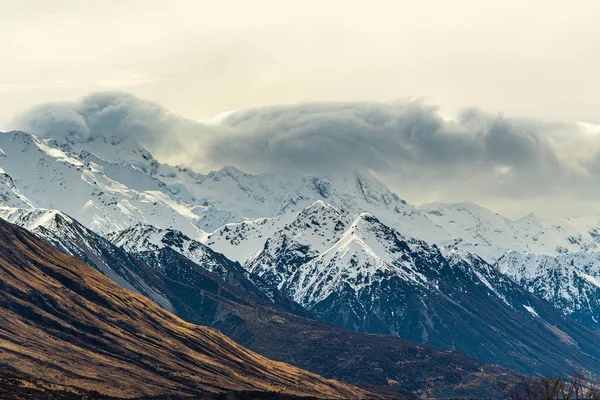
(64,322)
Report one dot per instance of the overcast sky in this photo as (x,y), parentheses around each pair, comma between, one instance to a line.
(535,58)
(360,65)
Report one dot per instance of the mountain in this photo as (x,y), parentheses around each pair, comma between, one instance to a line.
(64,321)
(363,267)
(69,236)
(185,260)
(265,200)
(571,282)
(490,235)
(293,335)
(277,329)
(103,196)
(464,225)
(240,241)
(145,271)
(110,184)
(143,238)
(354,271)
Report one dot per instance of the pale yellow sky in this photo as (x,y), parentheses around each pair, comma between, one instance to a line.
(199,58)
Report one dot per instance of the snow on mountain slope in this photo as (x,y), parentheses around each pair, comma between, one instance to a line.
(187,261)
(9,194)
(141,238)
(560,235)
(325,249)
(209,201)
(110,184)
(152,272)
(100,195)
(490,235)
(464,225)
(248,197)
(571,282)
(240,241)
(354,271)
(117,151)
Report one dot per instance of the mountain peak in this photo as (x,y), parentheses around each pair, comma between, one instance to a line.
(321,206)
(531,218)
(228,170)
(33,218)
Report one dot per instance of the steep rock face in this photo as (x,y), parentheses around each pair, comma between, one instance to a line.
(356,272)
(9,194)
(58,312)
(571,282)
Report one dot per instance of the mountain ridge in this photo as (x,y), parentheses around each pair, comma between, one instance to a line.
(356,272)
(110,185)
(285,333)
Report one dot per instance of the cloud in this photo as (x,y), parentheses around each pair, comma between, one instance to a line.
(117,116)
(109,114)
(521,164)
(408,138)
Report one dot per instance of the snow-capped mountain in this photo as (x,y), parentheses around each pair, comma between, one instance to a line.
(149,266)
(104,197)
(354,271)
(110,184)
(571,282)
(270,327)
(186,261)
(241,240)
(143,238)
(463,225)
(230,195)
(490,235)
(339,245)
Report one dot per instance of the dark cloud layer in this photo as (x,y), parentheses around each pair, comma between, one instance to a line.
(380,136)
(475,156)
(117,116)
(408,143)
